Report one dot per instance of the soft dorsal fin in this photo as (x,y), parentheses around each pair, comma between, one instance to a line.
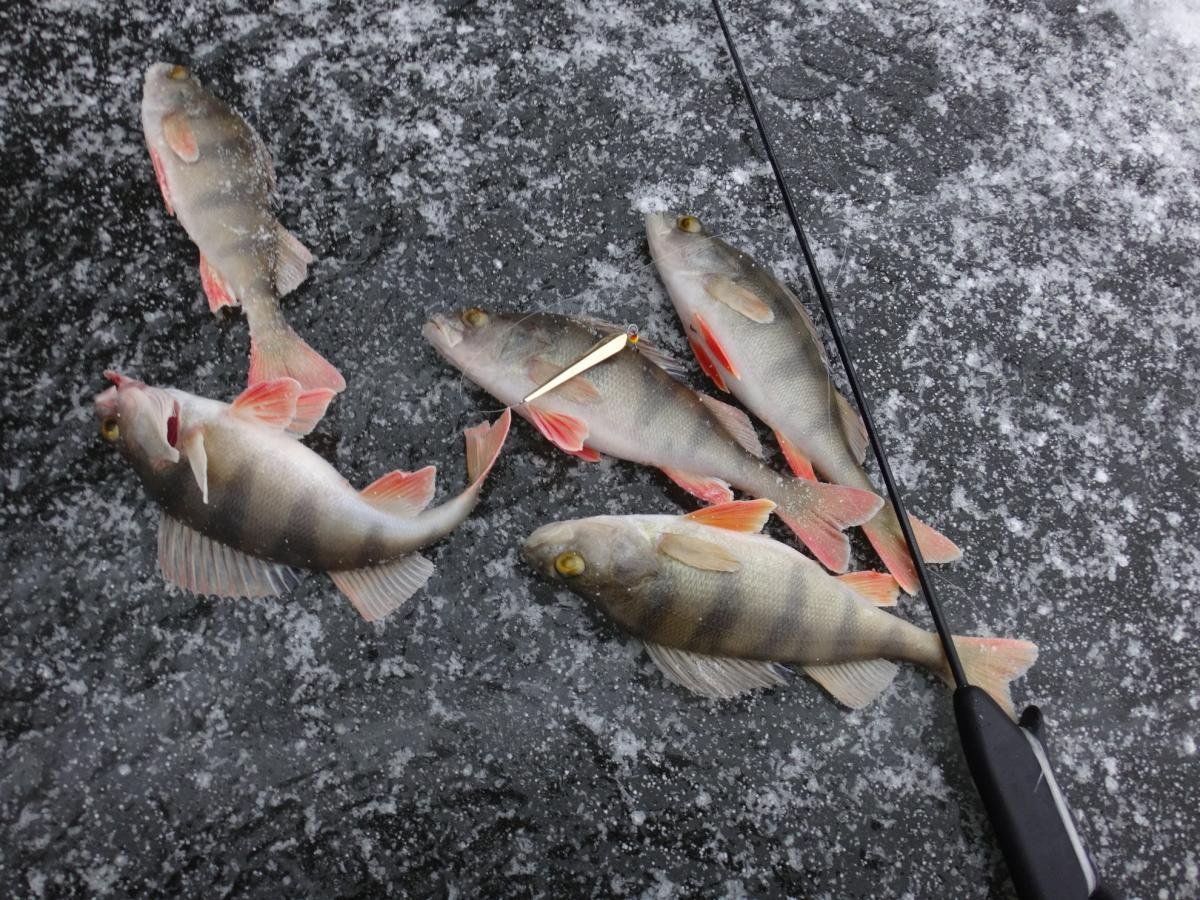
(578,390)
(563,431)
(292,260)
(402,493)
(738,297)
(271,403)
(698,553)
(877,587)
(748,516)
(378,591)
(705,487)
(179,136)
(852,427)
(854,684)
(192,442)
(736,422)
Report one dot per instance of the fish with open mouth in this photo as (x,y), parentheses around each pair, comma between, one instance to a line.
(630,408)
(217,177)
(245,504)
(753,338)
(720,607)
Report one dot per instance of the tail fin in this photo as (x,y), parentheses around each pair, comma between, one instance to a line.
(818,513)
(283,353)
(484,443)
(991,663)
(885,536)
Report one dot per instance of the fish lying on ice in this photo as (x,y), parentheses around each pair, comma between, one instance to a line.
(753,337)
(720,606)
(630,408)
(218,179)
(244,503)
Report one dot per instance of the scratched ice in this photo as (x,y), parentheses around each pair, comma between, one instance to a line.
(1007,201)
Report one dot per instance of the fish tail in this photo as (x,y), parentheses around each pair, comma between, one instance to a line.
(883,531)
(818,513)
(278,352)
(991,663)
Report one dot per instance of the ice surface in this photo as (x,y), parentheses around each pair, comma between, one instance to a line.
(1006,199)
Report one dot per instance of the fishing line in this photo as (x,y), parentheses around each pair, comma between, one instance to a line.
(885,470)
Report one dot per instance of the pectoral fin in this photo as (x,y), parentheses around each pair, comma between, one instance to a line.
(717,677)
(179,136)
(698,553)
(739,298)
(192,443)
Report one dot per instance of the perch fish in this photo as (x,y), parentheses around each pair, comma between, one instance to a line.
(753,338)
(629,407)
(720,607)
(244,503)
(218,179)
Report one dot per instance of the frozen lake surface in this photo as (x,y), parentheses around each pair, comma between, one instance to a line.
(1006,202)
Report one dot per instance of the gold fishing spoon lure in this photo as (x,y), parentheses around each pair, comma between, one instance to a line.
(609,346)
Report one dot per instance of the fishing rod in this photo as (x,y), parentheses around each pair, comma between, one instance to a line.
(1033,824)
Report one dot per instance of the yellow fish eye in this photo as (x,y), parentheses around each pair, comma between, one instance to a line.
(110,430)
(475,317)
(179,73)
(689,224)
(569,564)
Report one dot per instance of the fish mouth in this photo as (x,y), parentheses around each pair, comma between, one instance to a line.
(659,228)
(541,547)
(445,334)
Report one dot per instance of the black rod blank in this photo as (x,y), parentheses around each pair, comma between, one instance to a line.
(935,609)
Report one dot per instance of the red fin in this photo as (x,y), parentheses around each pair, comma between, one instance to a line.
(818,512)
(160,175)
(713,346)
(748,516)
(310,409)
(180,137)
(877,587)
(796,460)
(270,403)
(587,454)
(708,489)
(706,365)
(286,355)
(216,288)
(883,532)
(991,663)
(402,493)
(484,443)
(563,431)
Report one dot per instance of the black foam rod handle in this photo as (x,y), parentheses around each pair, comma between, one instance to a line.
(1037,835)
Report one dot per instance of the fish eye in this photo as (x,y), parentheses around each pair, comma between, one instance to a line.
(178,73)
(569,564)
(475,317)
(689,224)
(110,430)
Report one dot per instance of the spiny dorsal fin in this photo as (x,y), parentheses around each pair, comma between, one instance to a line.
(203,566)
(738,297)
(660,358)
(717,677)
(698,553)
(271,403)
(736,422)
(747,516)
(852,427)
